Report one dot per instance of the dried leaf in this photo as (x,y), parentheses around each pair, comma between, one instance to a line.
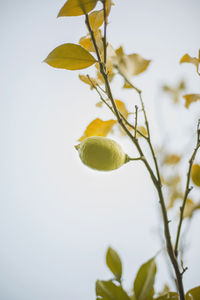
(191,60)
(70,57)
(172,159)
(98,127)
(77,7)
(96,19)
(190,98)
(122,108)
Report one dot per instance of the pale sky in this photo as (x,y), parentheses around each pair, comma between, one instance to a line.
(58,217)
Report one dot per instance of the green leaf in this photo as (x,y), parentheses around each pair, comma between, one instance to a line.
(144,280)
(193,294)
(169,296)
(114,263)
(107,290)
(70,57)
(77,7)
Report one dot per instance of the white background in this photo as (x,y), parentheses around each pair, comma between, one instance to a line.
(58,217)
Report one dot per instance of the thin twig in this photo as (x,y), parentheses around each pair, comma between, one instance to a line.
(136,118)
(105,33)
(187,190)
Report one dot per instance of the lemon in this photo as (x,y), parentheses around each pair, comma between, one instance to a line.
(101,153)
(195,174)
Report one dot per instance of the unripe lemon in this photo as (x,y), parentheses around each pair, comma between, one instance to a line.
(195,174)
(101,153)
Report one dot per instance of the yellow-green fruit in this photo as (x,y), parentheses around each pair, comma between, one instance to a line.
(101,153)
(195,174)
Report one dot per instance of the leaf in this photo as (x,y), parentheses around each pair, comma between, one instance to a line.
(191,60)
(107,290)
(77,7)
(99,104)
(111,56)
(98,127)
(122,108)
(130,65)
(70,57)
(172,159)
(127,85)
(86,42)
(86,80)
(175,195)
(139,64)
(143,130)
(169,296)
(195,174)
(189,98)
(96,19)
(190,208)
(109,3)
(114,263)
(175,91)
(144,280)
(193,294)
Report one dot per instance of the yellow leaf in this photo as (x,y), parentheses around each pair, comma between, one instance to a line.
(86,42)
(189,98)
(127,85)
(172,159)
(172,181)
(122,108)
(86,80)
(191,60)
(120,51)
(96,19)
(176,195)
(195,174)
(70,57)
(111,55)
(139,64)
(109,3)
(175,91)
(143,130)
(189,208)
(77,7)
(98,127)
(99,104)
(130,65)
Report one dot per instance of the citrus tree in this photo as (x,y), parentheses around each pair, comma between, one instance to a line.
(104,154)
